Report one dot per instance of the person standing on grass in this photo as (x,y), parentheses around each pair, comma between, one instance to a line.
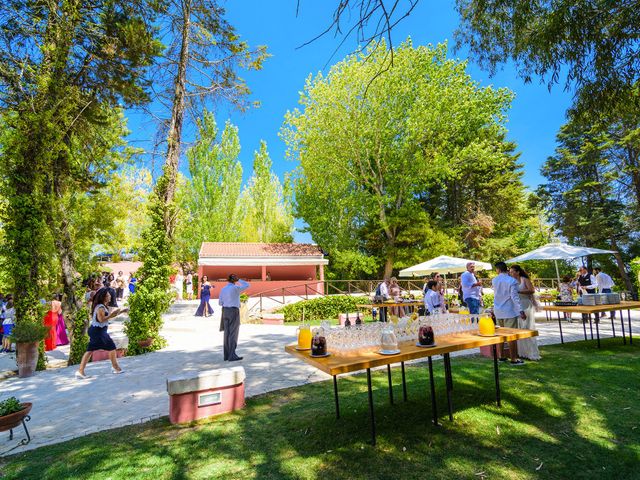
(230,302)
(432,298)
(507,308)
(527,347)
(605,284)
(471,289)
(99,338)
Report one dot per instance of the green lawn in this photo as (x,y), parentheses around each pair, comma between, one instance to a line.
(573,415)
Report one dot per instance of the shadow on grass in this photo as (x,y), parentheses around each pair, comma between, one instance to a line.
(572,415)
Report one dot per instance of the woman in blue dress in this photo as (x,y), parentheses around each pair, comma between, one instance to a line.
(205,309)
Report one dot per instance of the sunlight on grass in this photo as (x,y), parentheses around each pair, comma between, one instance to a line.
(561,418)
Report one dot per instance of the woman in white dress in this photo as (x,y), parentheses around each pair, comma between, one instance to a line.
(527,348)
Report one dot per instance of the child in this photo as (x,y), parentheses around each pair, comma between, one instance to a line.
(432,298)
(566,292)
(7,326)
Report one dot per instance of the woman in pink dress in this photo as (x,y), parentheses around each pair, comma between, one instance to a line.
(51,321)
(61,328)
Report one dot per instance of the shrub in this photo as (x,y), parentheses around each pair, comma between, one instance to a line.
(27,331)
(487,299)
(320,308)
(79,337)
(9,406)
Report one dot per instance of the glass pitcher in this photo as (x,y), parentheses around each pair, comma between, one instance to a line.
(388,339)
(304,337)
(486,325)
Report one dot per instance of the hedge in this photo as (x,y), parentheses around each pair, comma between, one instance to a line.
(322,308)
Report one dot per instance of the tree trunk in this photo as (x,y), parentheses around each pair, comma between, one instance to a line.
(622,268)
(388,265)
(174,137)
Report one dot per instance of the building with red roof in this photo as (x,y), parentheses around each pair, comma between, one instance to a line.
(269,267)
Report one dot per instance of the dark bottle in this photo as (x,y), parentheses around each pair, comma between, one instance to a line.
(358,319)
(347,322)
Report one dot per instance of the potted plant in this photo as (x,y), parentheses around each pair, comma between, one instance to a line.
(27,335)
(12,414)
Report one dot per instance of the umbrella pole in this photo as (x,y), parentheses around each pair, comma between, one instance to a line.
(557,273)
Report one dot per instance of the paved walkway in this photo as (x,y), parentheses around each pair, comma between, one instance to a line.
(65,408)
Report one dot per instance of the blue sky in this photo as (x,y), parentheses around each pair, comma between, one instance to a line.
(534,119)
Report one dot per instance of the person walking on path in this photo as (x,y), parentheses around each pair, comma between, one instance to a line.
(178,284)
(527,347)
(507,308)
(121,281)
(205,309)
(189,284)
(605,284)
(99,338)
(230,302)
(471,289)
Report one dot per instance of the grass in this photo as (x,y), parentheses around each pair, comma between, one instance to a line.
(572,415)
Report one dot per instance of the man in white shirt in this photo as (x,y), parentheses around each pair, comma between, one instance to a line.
(230,302)
(605,284)
(507,308)
(471,289)
(432,298)
(382,292)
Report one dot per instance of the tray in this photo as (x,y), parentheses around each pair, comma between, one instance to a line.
(483,335)
(426,346)
(303,349)
(389,352)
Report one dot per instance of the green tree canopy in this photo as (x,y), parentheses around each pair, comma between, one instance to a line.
(403,163)
(266,204)
(596,42)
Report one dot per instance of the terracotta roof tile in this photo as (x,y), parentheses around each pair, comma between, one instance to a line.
(247,249)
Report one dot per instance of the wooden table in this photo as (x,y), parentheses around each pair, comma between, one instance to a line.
(596,310)
(383,307)
(350,362)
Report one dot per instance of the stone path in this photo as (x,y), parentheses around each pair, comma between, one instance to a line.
(65,408)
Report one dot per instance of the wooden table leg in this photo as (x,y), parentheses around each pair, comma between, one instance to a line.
(371,414)
(630,334)
(335,394)
(597,315)
(590,325)
(560,325)
(434,407)
(390,384)
(496,373)
(449,382)
(404,383)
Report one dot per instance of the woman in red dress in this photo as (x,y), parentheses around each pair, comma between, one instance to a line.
(51,321)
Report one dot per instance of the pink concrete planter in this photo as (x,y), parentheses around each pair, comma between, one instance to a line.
(100,355)
(197,395)
(488,351)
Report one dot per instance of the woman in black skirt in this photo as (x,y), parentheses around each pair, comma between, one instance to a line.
(99,338)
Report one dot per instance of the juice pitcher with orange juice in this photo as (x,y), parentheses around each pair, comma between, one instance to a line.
(304,337)
(486,325)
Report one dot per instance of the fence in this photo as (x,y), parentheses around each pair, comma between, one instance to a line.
(280,295)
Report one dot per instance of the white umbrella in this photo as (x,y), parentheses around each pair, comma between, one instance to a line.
(558,251)
(442,264)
